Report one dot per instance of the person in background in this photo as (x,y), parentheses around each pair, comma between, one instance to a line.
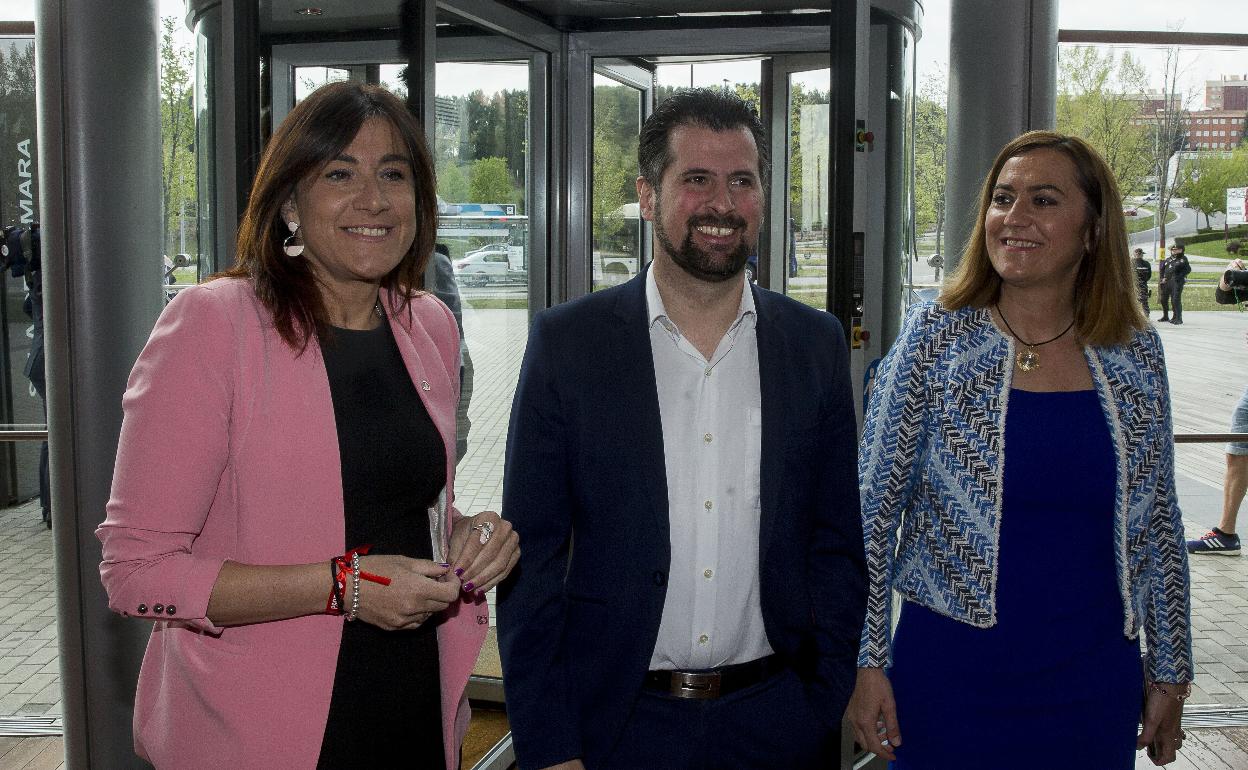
(1028,576)
(1143,274)
(1171,279)
(312,484)
(1223,540)
(440,279)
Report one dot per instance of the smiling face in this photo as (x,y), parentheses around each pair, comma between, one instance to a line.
(708,208)
(1037,227)
(357,213)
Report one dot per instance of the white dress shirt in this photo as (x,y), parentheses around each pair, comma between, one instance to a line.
(712,443)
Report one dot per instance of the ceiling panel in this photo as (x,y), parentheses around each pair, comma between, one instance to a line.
(284,17)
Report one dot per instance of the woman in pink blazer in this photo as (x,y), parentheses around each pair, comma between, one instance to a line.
(286,466)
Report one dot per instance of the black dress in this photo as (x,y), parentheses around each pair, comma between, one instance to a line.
(386,701)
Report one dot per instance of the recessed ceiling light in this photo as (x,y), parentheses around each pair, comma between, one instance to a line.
(309,11)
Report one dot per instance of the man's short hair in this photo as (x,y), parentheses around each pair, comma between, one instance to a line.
(1178,247)
(711,108)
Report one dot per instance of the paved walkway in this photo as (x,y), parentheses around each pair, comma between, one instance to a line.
(1208,364)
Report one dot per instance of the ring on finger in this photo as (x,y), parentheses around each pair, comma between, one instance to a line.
(486,528)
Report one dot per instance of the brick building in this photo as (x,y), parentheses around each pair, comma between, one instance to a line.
(1229,93)
(1216,129)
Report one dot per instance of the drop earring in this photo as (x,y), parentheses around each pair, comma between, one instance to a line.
(293,245)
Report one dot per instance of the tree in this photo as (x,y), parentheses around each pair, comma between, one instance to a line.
(1170,128)
(452,181)
(1206,179)
(1099,99)
(490,183)
(616,110)
(930,139)
(177,133)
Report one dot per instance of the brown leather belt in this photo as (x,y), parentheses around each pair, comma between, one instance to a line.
(715,682)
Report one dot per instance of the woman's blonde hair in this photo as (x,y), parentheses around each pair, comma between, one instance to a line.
(1107,309)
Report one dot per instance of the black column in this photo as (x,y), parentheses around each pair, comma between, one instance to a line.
(99,153)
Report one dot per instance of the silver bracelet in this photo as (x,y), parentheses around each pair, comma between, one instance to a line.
(355,587)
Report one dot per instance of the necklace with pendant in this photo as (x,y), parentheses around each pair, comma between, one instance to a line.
(1028,360)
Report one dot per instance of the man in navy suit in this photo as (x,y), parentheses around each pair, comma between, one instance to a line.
(681,468)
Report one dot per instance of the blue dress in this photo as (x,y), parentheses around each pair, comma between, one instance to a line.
(1055,681)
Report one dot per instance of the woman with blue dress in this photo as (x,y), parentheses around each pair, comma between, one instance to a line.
(1017,482)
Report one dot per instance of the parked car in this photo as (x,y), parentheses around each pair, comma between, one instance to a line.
(492,264)
(1130,211)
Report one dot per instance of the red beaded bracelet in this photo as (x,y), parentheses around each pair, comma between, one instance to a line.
(340,569)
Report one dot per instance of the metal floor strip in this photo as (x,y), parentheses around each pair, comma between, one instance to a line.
(23,727)
(1215,716)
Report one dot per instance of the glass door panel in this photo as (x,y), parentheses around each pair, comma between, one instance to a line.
(804,229)
(617,224)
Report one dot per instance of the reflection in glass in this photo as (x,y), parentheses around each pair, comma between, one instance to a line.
(617,230)
(806,172)
(207,33)
(308,79)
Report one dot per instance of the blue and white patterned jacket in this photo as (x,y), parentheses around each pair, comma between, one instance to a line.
(932,462)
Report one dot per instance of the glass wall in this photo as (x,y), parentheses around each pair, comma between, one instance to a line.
(30,685)
(1161,93)
(21,384)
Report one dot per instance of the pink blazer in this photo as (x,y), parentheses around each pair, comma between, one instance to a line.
(228,450)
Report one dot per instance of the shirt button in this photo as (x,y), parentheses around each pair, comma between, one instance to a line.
(707,437)
(707,371)
(158,608)
(708,573)
(142,608)
(170,610)
(708,505)
(424,385)
(703,639)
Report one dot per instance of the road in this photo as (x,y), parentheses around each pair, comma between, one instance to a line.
(1185,224)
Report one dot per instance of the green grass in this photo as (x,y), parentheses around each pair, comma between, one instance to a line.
(1215,249)
(816,299)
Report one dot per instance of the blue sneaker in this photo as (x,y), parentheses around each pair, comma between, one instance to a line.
(1217,542)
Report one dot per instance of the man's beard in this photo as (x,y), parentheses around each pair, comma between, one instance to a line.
(711,266)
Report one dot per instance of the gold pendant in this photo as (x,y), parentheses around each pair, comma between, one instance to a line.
(1027,360)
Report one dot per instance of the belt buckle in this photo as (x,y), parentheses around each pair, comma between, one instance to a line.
(695,685)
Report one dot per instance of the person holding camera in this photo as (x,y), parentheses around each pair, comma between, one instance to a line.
(1143,274)
(1233,286)
(1174,271)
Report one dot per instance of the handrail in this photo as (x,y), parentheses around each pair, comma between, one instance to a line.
(37,434)
(1209,438)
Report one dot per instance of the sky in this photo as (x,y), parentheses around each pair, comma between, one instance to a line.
(1196,64)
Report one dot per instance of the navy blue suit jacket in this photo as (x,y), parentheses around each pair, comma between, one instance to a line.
(586,488)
